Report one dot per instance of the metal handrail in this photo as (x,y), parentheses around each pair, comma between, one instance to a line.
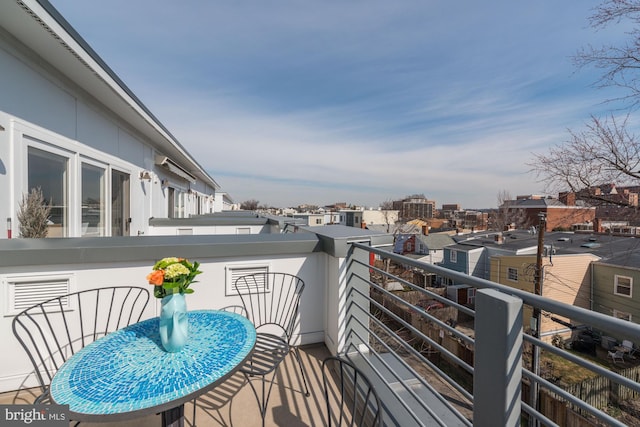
(617,327)
(600,321)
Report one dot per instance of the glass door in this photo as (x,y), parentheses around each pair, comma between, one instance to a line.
(93,200)
(120,204)
(48,172)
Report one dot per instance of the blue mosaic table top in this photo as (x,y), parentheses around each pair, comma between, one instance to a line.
(128,370)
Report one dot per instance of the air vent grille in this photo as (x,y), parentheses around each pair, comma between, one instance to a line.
(24,291)
(234,272)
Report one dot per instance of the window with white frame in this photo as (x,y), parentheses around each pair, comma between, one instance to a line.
(622,285)
(512,274)
(93,200)
(200,204)
(447,281)
(622,315)
(471,296)
(120,203)
(88,191)
(177,201)
(50,173)
(453,256)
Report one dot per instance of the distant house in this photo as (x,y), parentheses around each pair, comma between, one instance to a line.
(380,219)
(224,202)
(465,219)
(70,126)
(351,218)
(311,219)
(404,244)
(603,196)
(465,259)
(429,248)
(613,286)
(566,278)
(592,271)
(558,215)
(472,252)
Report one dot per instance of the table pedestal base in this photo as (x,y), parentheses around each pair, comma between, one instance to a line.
(173,417)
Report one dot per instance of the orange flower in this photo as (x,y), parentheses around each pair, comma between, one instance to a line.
(156,277)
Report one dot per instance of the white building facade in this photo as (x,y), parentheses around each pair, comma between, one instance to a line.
(69,126)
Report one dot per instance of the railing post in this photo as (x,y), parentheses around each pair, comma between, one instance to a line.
(498,359)
(356,335)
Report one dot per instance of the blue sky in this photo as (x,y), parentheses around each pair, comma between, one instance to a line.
(291,102)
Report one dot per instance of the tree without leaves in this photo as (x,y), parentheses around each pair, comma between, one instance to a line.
(33,215)
(605,152)
(387,214)
(506,215)
(249,205)
(620,64)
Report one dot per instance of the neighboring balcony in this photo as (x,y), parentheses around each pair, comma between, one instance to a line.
(428,369)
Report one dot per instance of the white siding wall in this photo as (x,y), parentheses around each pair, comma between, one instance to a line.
(209,294)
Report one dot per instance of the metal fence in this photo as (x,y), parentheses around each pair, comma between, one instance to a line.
(427,363)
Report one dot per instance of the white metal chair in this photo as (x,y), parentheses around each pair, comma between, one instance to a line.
(355,402)
(616,355)
(271,301)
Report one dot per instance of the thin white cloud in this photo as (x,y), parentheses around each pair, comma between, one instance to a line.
(360,101)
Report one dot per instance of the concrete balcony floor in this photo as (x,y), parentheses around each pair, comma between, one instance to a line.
(234,404)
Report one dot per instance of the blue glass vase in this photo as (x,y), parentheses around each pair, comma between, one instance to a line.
(174,325)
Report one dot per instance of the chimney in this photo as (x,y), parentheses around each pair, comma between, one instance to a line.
(425,230)
(568,198)
(363,224)
(498,238)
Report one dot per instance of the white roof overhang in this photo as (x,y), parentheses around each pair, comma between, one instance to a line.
(38,26)
(174,168)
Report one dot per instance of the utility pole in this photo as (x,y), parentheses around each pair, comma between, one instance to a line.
(537,318)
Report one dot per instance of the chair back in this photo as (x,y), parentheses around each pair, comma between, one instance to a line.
(52,331)
(237,309)
(353,401)
(271,301)
(627,344)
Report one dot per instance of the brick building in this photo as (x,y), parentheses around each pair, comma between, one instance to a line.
(560,216)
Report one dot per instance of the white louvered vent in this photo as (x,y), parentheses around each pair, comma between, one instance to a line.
(25,291)
(236,271)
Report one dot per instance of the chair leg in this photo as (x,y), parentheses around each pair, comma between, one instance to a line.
(262,403)
(296,352)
